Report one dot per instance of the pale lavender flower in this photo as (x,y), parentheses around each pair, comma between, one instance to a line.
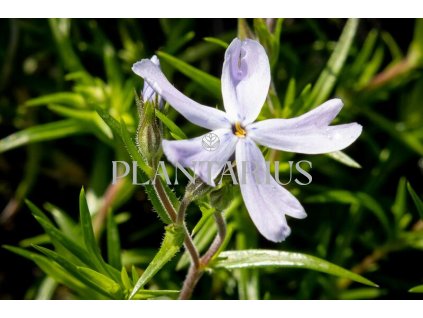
(148,93)
(245,85)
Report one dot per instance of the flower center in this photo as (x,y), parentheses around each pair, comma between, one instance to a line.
(238,130)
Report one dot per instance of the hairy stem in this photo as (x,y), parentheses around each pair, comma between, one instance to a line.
(195,272)
(175,217)
(180,217)
(193,276)
(167,204)
(218,240)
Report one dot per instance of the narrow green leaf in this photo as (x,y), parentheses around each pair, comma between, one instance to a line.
(64,221)
(361,293)
(46,289)
(415,52)
(64,98)
(60,29)
(125,279)
(172,242)
(57,237)
(289,98)
(110,121)
(340,196)
(329,75)
(174,129)
(45,132)
(209,82)
(268,39)
(406,138)
(207,213)
(112,67)
(103,282)
(54,270)
(400,204)
(343,158)
(37,212)
(87,227)
(153,294)
(20,251)
(299,103)
(417,201)
(217,41)
(89,117)
(417,289)
(375,207)
(72,269)
(90,241)
(113,242)
(365,52)
(134,274)
(270,258)
(38,240)
(371,68)
(359,198)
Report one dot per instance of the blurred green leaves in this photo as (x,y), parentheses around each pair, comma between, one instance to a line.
(50,131)
(327,79)
(210,83)
(417,201)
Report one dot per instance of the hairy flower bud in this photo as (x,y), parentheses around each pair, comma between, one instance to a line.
(149,135)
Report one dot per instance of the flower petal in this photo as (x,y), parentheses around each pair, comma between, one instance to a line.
(267,202)
(192,153)
(204,116)
(309,133)
(148,93)
(245,80)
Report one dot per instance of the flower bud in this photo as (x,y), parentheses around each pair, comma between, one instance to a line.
(221,197)
(149,135)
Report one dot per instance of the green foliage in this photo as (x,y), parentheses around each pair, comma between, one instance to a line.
(417,201)
(50,131)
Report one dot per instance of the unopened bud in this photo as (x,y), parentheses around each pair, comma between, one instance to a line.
(220,198)
(149,136)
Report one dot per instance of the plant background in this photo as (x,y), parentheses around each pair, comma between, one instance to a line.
(361,219)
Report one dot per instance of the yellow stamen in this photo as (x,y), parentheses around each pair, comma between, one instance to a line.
(239,130)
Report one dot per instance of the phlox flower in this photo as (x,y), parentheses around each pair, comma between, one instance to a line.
(245,85)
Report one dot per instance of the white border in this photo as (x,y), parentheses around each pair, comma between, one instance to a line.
(205,309)
(209,8)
